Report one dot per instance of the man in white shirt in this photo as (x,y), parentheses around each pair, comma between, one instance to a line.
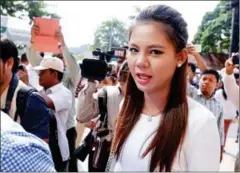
(59,99)
(70,79)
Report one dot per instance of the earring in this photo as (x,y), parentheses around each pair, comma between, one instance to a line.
(179,65)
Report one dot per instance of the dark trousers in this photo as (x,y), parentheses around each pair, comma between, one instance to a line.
(59,164)
(90,167)
(72,136)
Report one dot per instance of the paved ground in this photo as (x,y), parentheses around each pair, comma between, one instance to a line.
(229,156)
(231,149)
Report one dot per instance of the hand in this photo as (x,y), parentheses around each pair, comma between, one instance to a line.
(23,75)
(229,66)
(34,31)
(191,50)
(90,124)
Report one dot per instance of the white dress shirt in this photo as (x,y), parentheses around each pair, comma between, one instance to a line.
(62,100)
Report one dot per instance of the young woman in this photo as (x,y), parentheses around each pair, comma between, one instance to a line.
(229,110)
(159,128)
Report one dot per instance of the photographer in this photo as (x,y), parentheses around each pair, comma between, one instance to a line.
(88,107)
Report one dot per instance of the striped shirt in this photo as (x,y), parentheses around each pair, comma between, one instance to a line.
(213,105)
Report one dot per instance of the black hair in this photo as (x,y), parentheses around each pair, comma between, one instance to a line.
(193,67)
(42,54)
(24,57)
(59,74)
(9,50)
(170,17)
(224,92)
(213,72)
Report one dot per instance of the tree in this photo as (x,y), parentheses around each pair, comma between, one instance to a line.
(26,8)
(111,33)
(137,10)
(214,32)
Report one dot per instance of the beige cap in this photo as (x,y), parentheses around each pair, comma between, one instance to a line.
(50,62)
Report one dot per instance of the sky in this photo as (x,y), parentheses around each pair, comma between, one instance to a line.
(80,19)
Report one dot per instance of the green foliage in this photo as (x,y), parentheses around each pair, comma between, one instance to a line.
(214,32)
(32,8)
(111,33)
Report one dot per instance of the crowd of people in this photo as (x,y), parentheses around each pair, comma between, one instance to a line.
(151,113)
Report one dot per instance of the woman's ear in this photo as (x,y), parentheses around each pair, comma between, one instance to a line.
(182,57)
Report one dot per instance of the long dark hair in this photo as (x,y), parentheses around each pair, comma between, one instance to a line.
(173,126)
(224,92)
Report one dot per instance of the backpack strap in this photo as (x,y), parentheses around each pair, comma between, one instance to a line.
(12,87)
(102,103)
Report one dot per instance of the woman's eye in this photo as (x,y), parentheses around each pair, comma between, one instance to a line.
(133,50)
(156,52)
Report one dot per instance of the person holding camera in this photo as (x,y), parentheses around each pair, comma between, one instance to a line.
(232,91)
(89,108)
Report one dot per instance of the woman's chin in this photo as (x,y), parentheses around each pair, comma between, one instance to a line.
(144,88)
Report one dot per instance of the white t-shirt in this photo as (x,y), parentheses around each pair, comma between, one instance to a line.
(13,107)
(201,146)
(229,110)
(62,100)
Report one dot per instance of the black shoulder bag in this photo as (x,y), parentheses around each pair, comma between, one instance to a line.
(102,142)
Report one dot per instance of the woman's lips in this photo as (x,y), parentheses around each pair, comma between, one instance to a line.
(143,78)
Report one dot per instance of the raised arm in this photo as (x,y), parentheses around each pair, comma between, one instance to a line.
(73,71)
(200,63)
(33,57)
(230,85)
(87,107)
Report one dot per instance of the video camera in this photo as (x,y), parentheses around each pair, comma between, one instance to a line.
(99,68)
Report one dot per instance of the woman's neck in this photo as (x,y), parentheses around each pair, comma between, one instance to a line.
(155,102)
